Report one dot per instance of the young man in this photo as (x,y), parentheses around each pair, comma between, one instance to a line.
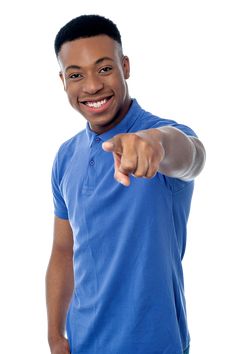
(122,190)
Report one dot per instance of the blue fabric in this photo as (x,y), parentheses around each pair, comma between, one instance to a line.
(186,351)
(128,246)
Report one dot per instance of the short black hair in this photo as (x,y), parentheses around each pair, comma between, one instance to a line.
(86,26)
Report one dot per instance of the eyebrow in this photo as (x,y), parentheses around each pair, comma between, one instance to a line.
(100,60)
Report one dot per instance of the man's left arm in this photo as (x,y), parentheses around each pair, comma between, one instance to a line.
(166,149)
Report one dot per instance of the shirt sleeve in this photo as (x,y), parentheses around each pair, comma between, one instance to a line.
(184,128)
(60,209)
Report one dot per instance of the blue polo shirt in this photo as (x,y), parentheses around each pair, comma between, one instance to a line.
(128,246)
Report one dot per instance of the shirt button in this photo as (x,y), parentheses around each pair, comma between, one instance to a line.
(97,139)
(91,162)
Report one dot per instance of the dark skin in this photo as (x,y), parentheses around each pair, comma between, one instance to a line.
(94,73)
(59,285)
(92,69)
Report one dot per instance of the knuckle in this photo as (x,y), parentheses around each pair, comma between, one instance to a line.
(138,174)
(133,136)
(150,175)
(152,172)
(149,150)
(127,165)
(142,143)
(154,162)
(134,139)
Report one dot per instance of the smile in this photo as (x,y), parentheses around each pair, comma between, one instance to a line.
(98,105)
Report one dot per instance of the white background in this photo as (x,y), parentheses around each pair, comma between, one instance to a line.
(183,62)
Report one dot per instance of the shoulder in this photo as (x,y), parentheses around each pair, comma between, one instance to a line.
(69,146)
(149,120)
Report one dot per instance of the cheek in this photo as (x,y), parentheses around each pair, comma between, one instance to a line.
(119,83)
(72,92)
(72,95)
(122,87)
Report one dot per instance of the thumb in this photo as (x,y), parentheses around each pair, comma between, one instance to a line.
(108,145)
(114,144)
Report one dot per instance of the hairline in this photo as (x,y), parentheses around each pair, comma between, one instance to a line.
(118,44)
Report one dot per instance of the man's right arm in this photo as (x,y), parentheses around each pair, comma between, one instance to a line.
(59,285)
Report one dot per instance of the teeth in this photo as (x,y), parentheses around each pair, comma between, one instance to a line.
(97,104)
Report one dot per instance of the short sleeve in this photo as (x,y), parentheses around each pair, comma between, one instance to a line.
(60,209)
(184,128)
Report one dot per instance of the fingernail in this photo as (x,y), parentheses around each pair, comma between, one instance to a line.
(109,142)
(121,182)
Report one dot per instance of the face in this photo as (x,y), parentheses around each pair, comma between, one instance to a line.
(94,73)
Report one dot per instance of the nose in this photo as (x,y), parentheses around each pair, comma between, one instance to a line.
(92,84)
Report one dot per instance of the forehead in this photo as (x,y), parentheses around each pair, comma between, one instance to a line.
(86,51)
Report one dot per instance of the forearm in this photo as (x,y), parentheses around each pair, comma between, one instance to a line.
(184,156)
(59,288)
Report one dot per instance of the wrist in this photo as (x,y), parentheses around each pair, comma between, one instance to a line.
(54,339)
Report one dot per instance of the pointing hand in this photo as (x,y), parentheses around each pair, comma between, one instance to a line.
(138,154)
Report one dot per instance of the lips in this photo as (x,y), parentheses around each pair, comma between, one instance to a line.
(97,105)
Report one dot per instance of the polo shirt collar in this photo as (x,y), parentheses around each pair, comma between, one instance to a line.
(122,127)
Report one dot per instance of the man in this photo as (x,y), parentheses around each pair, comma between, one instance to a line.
(122,190)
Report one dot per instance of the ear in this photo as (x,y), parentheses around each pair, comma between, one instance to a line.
(63,80)
(126,67)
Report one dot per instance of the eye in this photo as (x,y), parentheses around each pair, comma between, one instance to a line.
(105,70)
(75,76)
